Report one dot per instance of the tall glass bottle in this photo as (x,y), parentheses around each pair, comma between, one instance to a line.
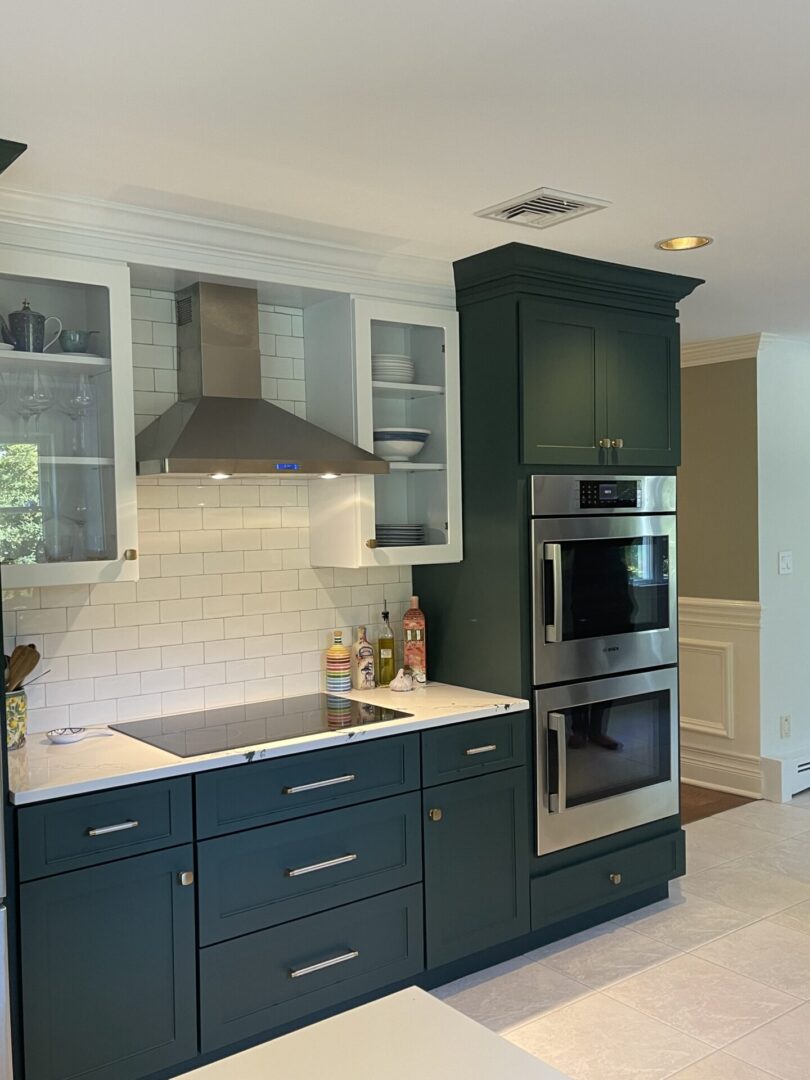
(387,665)
(413,623)
(363,662)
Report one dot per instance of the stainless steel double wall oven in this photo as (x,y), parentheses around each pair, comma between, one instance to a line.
(605,653)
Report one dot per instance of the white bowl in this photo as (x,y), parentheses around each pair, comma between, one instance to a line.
(398,449)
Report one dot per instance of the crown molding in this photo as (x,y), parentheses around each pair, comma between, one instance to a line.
(93,228)
(720,350)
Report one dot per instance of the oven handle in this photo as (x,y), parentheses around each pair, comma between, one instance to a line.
(556,723)
(553,553)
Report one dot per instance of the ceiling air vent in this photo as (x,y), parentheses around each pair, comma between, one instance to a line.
(543,208)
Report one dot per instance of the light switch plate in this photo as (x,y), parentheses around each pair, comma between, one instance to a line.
(785,562)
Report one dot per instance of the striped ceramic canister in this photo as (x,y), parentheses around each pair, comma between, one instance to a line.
(338,665)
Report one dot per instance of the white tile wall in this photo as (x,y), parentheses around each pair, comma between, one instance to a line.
(227,608)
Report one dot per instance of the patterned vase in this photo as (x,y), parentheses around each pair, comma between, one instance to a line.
(338,665)
(16,718)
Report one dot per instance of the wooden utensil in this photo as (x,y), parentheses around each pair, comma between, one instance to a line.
(23,661)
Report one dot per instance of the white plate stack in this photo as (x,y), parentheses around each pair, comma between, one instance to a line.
(400,535)
(392,367)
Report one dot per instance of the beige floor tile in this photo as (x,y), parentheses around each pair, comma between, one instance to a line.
(599,958)
(797,918)
(790,857)
(511,994)
(685,922)
(781,1048)
(703,1000)
(601,1039)
(782,819)
(723,839)
(722,1066)
(740,885)
(776,955)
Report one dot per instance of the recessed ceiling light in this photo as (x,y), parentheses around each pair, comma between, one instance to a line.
(220,476)
(684,243)
(329,476)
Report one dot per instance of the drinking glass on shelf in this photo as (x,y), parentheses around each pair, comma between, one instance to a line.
(78,515)
(75,403)
(34,397)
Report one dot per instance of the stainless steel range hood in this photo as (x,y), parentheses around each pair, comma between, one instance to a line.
(220,424)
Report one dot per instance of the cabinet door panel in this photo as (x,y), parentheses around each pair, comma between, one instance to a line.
(476,864)
(562,367)
(643,392)
(109,961)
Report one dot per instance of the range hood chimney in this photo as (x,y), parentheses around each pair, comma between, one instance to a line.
(221,426)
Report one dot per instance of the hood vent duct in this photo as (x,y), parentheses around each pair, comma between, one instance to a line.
(221,424)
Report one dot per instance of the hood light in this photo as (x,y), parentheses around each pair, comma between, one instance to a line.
(329,476)
(221,475)
(684,243)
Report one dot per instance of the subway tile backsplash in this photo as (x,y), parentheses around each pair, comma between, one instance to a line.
(227,608)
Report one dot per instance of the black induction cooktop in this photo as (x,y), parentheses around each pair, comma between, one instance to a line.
(210,731)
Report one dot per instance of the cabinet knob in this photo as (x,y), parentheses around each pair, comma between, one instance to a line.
(186,878)
(604,444)
(617,444)
(615,879)
(435,815)
(371,543)
(131,554)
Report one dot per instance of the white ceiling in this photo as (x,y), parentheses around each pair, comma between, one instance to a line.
(400,119)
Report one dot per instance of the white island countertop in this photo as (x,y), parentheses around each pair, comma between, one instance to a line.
(405,1036)
(41,770)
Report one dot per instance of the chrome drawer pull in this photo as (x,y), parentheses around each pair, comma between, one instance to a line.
(296,973)
(105,830)
(319,784)
(301,870)
(481,749)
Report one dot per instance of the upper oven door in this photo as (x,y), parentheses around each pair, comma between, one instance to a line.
(604,595)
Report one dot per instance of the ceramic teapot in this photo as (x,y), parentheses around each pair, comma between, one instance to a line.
(25,329)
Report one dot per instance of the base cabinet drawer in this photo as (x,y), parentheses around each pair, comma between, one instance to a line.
(590,884)
(480,746)
(256,879)
(90,829)
(258,982)
(263,792)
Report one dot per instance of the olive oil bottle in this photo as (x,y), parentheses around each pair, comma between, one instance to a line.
(387,665)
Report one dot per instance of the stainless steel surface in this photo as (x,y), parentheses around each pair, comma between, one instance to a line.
(481,749)
(435,814)
(105,830)
(565,826)
(555,660)
(221,424)
(556,802)
(558,496)
(617,444)
(615,879)
(186,878)
(319,784)
(327,865)
(6,1069)
(296,973)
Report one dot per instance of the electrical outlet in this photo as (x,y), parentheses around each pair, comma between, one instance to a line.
(785,562)
(784,726)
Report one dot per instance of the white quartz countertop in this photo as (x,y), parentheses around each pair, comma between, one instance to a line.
(406,1036)
(41,770)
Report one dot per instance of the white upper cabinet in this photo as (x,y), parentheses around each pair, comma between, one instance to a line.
(386,367)
(67,452)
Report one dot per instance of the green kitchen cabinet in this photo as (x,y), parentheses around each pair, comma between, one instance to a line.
(476,850)
(599,387)
(109,969)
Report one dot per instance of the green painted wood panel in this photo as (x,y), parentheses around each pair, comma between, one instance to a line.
(258,793)
(246,985)
(590,884)
(476,864)
(55,836)
(643,391)
(474,748)
(562,358)
(109,963)
(244,881)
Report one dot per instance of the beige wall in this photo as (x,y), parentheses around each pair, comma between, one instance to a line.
(717,491)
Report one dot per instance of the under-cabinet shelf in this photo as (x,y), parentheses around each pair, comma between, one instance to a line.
(406,390)
(417,466)
(10,360)
(85,461)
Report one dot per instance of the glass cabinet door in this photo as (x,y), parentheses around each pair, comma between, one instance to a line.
(61,414)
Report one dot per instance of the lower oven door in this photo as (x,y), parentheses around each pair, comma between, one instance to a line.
(607,756)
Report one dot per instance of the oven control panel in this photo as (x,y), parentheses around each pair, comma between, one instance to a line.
(609,494)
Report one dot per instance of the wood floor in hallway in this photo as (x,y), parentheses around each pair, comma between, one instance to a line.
(699,802)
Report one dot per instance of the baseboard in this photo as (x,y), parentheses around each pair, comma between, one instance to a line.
(782,778)
(738,774)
